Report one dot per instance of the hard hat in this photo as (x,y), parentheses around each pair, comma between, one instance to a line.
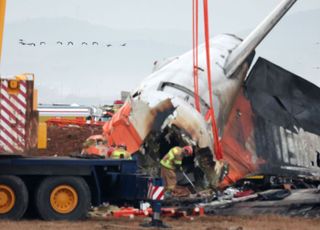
(188,150)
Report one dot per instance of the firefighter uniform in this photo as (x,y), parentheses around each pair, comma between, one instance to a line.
(120,153)
(169,163)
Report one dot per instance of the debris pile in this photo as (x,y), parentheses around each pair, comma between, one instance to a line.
(232,201)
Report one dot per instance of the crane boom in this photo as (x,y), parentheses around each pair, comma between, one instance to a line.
(2,13)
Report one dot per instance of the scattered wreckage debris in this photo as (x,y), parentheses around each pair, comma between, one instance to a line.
(111,211)
(295,203)
(246,197)
(300,202)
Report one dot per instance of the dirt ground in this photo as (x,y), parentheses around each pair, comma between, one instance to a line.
(206,223)
(63,141)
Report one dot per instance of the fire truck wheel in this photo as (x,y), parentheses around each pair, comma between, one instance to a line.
(14,197)
(63,198)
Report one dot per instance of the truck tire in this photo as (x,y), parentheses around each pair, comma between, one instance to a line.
(14,197)
(63,198)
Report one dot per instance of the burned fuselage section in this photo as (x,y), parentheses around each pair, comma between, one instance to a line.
(288,116)
(161,113)
(171,124)
(273,128)
(169,96)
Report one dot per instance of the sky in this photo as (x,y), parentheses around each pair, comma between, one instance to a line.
(151,14)
(152,29)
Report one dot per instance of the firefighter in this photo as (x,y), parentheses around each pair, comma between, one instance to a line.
(110,150)
(95,145)
(170,163)
(121,153)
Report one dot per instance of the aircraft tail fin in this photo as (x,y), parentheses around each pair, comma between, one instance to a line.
(238,56)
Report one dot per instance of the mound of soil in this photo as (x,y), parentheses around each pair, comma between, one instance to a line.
(63,141)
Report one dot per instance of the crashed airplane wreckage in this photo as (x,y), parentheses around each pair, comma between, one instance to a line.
(259,125)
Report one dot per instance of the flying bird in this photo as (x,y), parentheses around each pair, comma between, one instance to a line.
(84,43)
(31,44)
(42,43)
(70,43)
(124,44)
(108,45)
(95,43)
(59,42)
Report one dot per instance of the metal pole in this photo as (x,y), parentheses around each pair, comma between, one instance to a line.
(156,203)
(188,179)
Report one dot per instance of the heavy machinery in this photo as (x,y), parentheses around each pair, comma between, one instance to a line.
(64,188)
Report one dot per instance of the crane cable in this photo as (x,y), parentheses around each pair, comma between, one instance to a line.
(217,144)
(195,45)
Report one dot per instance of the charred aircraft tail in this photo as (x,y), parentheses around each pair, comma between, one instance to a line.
(240,54)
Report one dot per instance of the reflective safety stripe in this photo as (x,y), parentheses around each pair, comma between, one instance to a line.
(172,158)
(117,154)
(167,160)
(256,177)
(175,150)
